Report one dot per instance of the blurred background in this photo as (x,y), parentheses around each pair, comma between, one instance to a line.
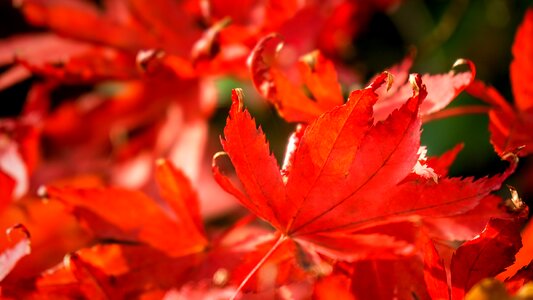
(440,31)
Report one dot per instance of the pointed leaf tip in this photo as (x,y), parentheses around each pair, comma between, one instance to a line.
(419,88)
(468,63)
(310,59)
(385,76)
(18,227)
(512,156)
(390,80)
(515,202)
(414,79)
(217,157)
(147,60)
(237,96)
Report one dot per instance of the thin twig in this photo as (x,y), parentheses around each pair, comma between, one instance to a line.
(456,111)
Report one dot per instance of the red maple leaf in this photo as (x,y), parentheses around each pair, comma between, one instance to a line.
(140,245)
(318,75)
(523,257)
(212,39)
(484,256)
(511,126)
(346,175)
(102,211)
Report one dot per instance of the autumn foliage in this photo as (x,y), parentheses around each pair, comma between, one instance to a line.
(113,185)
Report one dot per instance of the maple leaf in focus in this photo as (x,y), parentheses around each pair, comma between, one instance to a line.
(318,75)
(511,125)
(345,176)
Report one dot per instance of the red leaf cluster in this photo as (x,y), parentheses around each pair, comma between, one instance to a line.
(90,210)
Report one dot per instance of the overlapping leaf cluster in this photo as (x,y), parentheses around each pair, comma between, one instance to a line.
(358,210)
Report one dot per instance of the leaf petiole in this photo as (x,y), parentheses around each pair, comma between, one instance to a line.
(280,241)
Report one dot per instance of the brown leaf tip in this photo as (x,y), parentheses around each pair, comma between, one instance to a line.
(512,156)
(515,203)
(222,163)
(146,59)
(237,97)
(217,156)
(311,59)
(209,45)
(389,80)
(414,80)
(18,227)
(69,259)
(385,76)
(459,62)
(465,62)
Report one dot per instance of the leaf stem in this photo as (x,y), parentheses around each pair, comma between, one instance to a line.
(456,111)
(281,239)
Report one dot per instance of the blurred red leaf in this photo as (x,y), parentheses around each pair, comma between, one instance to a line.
(130,216)
(12,250)
(7,185)
(511,126)
(442,89)
(319,75)
(522,65)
